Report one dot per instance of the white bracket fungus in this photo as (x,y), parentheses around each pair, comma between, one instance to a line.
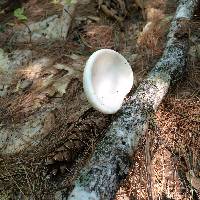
(107,79)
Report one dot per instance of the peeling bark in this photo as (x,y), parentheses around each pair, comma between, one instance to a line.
(111,159)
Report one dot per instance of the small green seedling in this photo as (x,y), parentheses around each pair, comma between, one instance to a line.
(19,14)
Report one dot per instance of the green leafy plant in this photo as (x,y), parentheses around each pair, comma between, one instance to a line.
(19,14)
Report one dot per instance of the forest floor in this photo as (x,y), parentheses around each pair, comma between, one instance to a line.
(165,165)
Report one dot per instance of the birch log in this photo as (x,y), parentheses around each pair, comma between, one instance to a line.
(110,162)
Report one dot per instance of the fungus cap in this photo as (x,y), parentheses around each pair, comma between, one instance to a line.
(107,79)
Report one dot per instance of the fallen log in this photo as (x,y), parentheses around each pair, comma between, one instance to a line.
(110,161)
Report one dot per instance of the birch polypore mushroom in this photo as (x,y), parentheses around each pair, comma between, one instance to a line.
(107,79)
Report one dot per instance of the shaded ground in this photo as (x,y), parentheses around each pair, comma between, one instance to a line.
(166,164)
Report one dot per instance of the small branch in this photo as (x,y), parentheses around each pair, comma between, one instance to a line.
(111,159)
